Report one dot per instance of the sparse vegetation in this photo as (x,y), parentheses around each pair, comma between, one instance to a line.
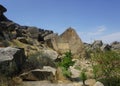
(106,67)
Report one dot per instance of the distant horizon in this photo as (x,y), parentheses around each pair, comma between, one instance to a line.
(92,20)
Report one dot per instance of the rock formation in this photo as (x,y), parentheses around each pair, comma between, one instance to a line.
(71,41)
(42,48)
(11,60)
(98,44)
(2,10)
(68,40)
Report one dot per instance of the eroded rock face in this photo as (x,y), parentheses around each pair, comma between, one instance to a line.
(11,60)
(68,40)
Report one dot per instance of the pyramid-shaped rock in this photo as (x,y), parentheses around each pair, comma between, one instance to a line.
(71,40)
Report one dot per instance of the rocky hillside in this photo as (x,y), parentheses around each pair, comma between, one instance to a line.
(11,32)
(29,53)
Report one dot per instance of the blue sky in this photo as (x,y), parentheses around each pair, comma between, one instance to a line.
(92,19)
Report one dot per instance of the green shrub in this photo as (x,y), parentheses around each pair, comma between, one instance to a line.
(66,63)
(106,67)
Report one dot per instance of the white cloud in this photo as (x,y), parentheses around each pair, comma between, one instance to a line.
(111,37)
(99,31)
(89,37)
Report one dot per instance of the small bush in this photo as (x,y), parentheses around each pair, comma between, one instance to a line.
(66,63)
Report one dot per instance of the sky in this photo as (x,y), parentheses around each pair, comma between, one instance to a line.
(92,19)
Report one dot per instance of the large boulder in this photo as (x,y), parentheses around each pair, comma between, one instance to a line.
(47,73)
(97,44)
(69,40)
(51,54)
(11,60)
(37,61)
(51,41)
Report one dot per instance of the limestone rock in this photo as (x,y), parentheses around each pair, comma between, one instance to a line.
(37,61)
(11,59)
(97,44)
(70,40)
(51,54)
(47,73)
(52,43)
